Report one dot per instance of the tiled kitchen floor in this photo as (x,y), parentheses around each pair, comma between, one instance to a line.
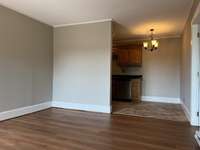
(164,111)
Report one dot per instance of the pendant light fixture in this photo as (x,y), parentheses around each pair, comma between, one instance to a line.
(152,44)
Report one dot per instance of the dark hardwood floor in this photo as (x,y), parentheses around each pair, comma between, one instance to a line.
(59,129)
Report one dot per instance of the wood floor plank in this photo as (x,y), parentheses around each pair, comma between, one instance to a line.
(59,129)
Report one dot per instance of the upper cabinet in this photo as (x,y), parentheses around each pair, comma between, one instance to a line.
(123,57)
(129,55)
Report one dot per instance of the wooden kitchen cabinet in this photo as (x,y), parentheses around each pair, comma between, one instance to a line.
(123,57)
(135,56)
(129,55)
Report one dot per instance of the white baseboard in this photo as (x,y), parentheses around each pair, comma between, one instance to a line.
(23,111)
(161,99)
(197,134)
(186,111)
(85,107)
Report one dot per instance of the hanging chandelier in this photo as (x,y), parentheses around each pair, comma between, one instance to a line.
(152,44)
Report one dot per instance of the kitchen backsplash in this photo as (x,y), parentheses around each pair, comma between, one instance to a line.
(117,70)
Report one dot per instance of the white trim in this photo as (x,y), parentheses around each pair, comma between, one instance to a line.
(161,99)
(110,64)
(194,76)
(143,39)
(79,23)
(85,107)
(197,137)
(186,111)
(23,111)
(196,14)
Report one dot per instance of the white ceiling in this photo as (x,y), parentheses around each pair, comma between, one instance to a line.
(133,17)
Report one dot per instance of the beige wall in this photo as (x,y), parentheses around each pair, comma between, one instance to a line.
(186,60)
(26,48)
(82,58)
(160,69)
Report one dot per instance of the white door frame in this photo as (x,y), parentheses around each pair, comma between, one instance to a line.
(194,76)
(195,67)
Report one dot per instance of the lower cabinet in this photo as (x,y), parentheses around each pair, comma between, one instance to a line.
(127,89)
(136,90)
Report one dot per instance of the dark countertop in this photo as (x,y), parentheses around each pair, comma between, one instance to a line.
(127,76)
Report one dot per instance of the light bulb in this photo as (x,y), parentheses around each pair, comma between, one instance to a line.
(145,45)
(156,44)
(153,42)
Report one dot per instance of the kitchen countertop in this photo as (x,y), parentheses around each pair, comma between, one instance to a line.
(127,76)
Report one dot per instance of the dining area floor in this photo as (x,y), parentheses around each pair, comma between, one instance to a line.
(165,111)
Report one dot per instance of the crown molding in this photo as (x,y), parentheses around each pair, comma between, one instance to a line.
(143,39)
(196,14)
(80,23)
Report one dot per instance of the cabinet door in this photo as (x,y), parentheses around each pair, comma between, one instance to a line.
(136,90)
(115,89)
(135,56)
(123,57)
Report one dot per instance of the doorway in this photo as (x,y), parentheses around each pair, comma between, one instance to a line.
(145,88)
